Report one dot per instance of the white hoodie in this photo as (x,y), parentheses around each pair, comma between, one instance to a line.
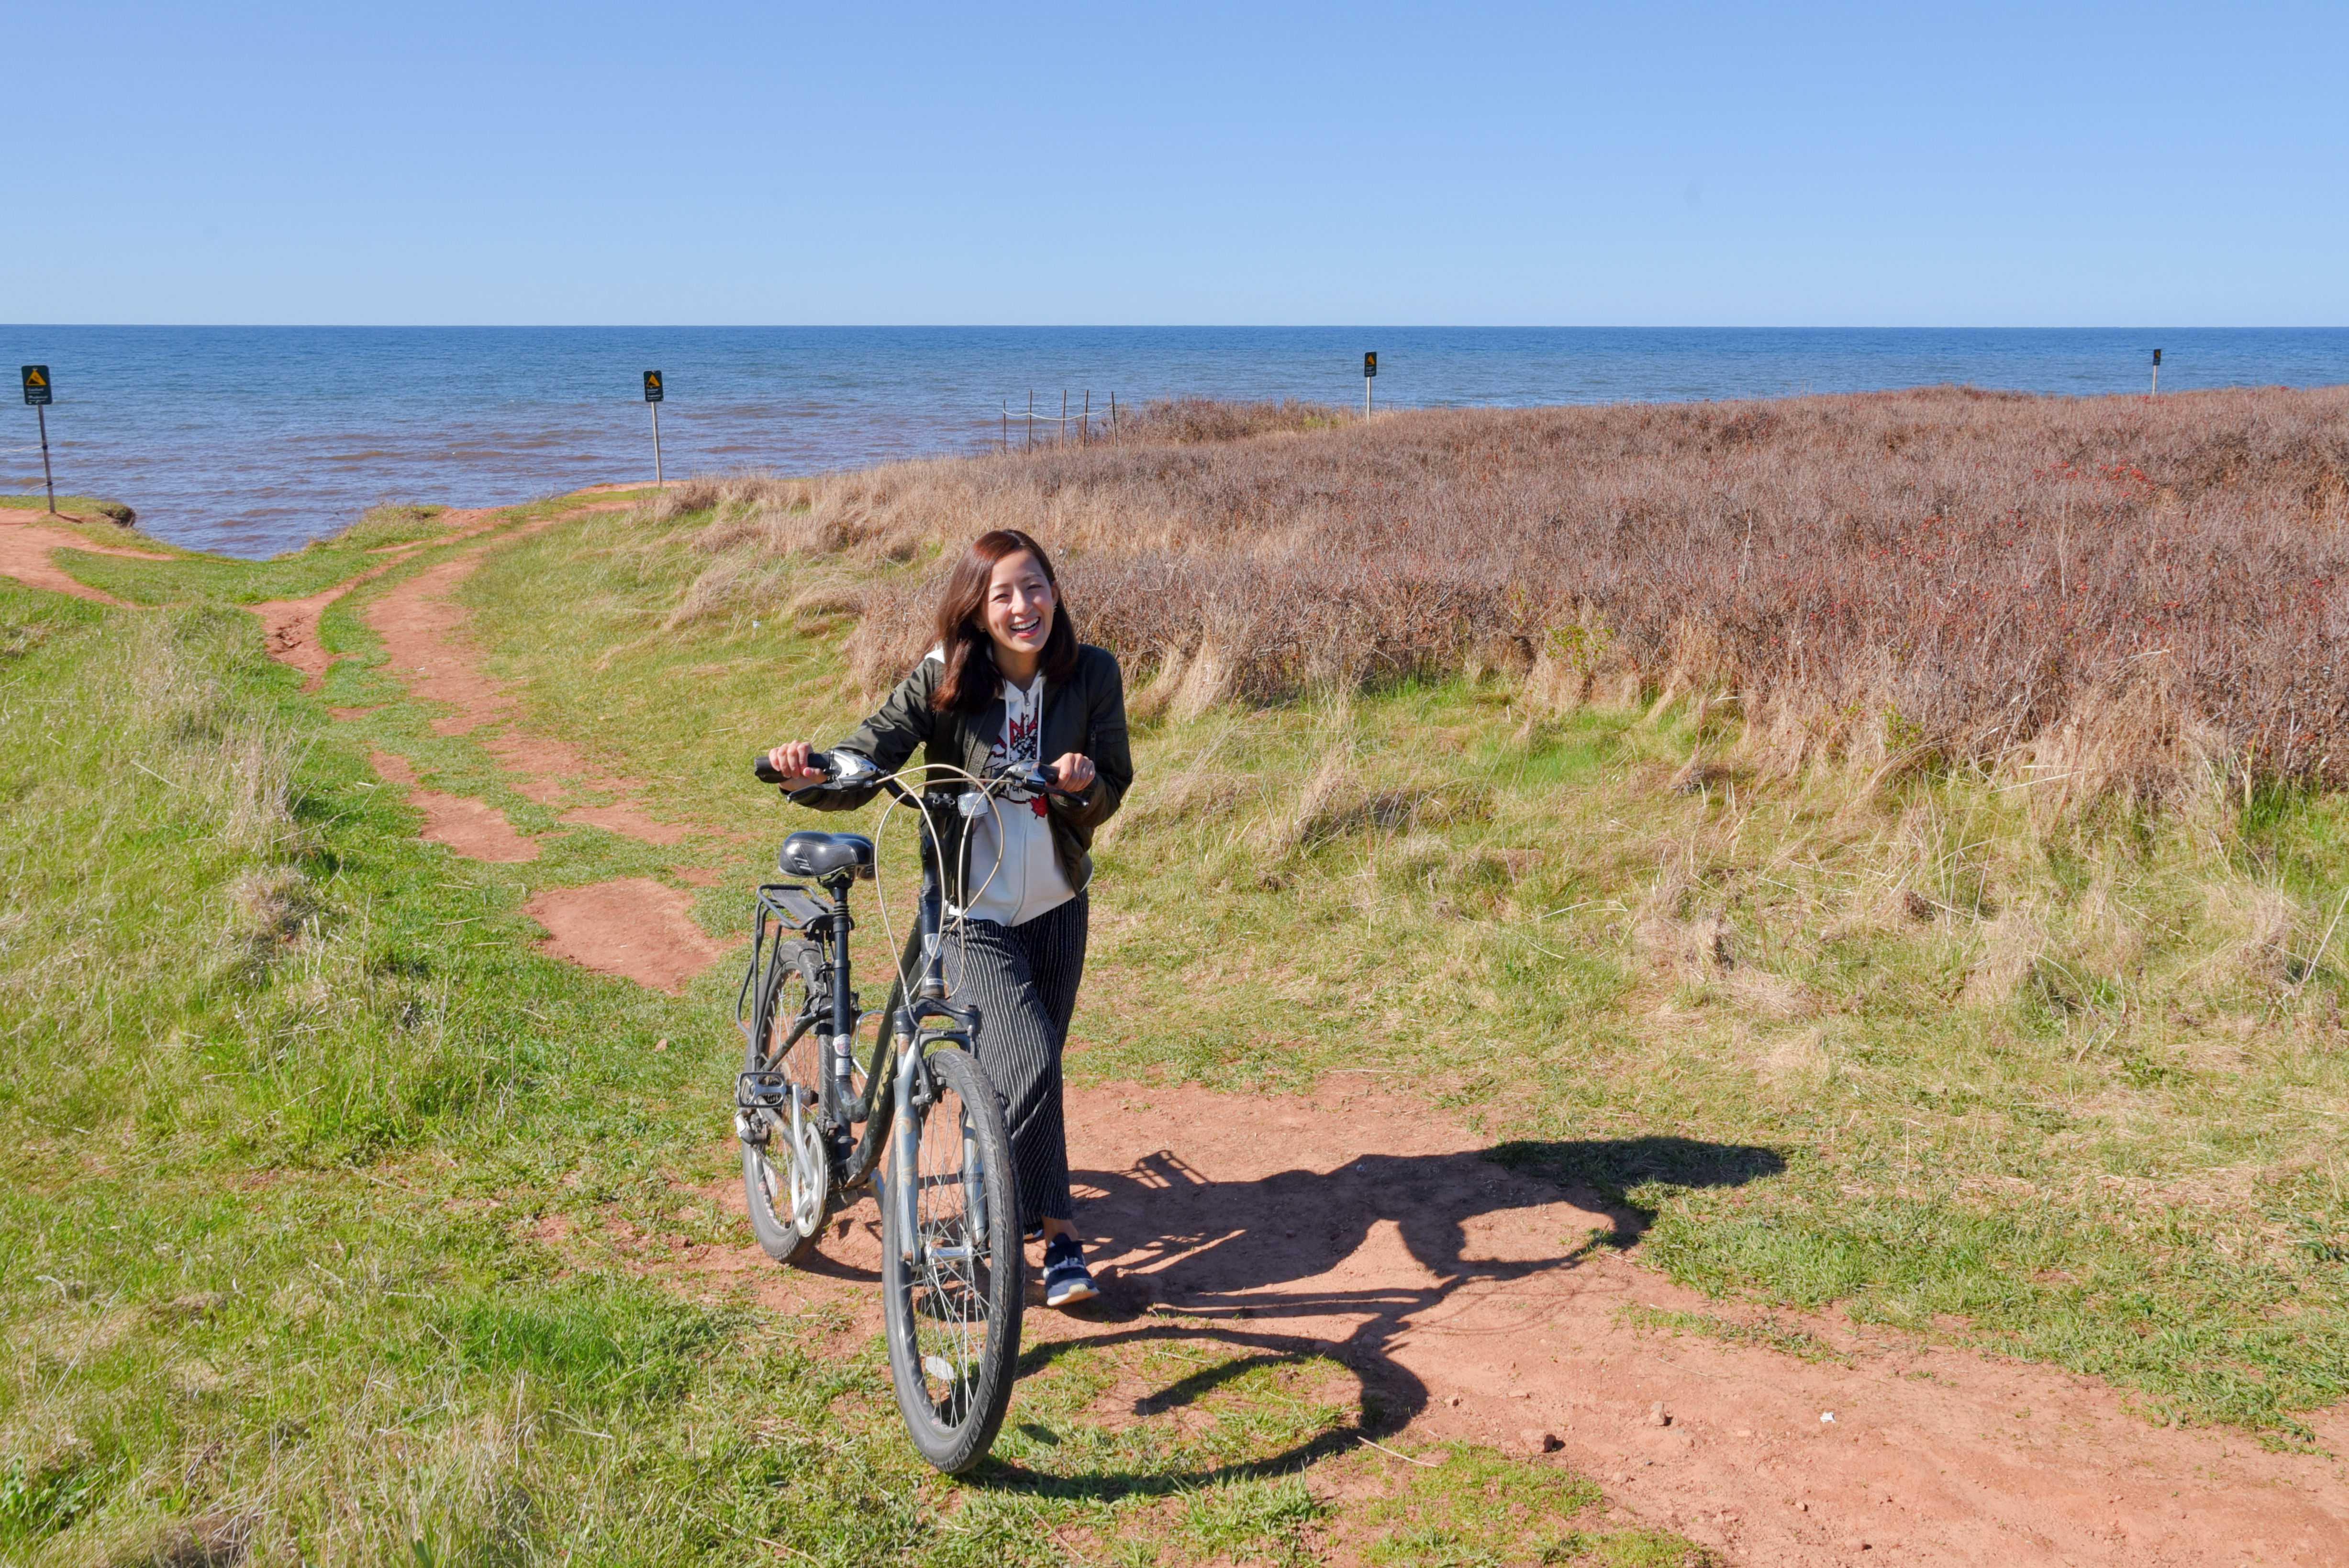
(1028,879)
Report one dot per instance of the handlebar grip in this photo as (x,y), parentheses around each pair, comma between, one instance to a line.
(766,774)
(1052,779)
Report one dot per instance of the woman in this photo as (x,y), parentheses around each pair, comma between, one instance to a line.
(1008,684)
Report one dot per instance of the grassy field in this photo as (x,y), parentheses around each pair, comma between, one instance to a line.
(336,1215)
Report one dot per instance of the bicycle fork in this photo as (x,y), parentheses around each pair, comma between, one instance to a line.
(906,1168)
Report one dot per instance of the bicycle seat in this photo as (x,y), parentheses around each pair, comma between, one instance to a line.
(821,855)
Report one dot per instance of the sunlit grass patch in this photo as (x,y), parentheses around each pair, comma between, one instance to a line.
(1463,1506)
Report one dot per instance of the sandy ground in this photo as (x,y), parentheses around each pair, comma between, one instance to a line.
(1477,1305)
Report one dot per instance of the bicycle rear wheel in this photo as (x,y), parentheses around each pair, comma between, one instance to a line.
(952,1306)
(787,1178)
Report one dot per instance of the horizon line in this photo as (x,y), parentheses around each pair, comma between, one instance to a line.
(1109,326)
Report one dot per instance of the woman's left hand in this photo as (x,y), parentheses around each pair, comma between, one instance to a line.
(1075,772)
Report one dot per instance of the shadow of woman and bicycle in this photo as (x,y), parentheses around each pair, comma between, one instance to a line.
(1301,1265)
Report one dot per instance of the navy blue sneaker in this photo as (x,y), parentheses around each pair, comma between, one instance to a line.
(1066,1281)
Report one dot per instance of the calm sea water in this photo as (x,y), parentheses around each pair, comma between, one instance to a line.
(254,439)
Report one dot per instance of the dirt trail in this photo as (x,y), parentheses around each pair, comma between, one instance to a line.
(634,927)
(24,550)
(289,627)
(422,626)
(474,829)
(1479,1304)
(1475,1305)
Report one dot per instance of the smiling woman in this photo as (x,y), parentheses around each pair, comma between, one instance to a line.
(1005,687)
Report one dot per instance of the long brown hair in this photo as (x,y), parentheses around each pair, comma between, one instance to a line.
(971,679)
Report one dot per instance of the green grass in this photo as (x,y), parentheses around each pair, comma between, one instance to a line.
(327,1203)
(1466,1507)
(2067,1091)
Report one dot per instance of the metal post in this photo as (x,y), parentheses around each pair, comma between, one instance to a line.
(658,483)
(2156,373)
(45,474)
(1004,443)
(1031,420)
(1112,417)
(1367,384)
(1085,430)
(1061,438)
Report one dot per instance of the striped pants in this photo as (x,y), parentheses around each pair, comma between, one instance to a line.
(1023,980)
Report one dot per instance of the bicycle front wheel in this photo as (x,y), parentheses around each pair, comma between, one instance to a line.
(952,1284)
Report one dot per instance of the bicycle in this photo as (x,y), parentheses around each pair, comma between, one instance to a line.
(953,1272)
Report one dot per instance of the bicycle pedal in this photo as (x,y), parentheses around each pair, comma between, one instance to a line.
(761,1091)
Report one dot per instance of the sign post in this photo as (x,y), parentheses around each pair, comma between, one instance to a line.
(2156,373)
(37,392)
(1370,374)
(653,396)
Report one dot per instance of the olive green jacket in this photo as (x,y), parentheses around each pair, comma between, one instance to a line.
(1085,714)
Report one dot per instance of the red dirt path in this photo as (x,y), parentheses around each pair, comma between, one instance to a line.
(289,627)
(636,928)
(1472,1303)
(24,550)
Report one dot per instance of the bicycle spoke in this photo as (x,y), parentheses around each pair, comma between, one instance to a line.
(952,1285)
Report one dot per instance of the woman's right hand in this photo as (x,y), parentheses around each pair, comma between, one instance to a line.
(791,760)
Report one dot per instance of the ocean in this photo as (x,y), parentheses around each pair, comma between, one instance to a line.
(256,439)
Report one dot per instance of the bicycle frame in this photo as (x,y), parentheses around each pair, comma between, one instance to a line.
(832,1009)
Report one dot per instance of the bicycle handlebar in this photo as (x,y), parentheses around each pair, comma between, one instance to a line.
(1042,779)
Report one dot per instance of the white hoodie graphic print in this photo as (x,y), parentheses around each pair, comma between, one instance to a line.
(1014,836)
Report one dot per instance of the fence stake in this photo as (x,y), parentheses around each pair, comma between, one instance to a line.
(1112,417)
(1031,420)
(1085,430)
(1004,444)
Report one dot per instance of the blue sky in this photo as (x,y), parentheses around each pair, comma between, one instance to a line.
(1701,165)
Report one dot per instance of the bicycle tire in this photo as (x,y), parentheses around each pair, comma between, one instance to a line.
(787,1190)
(953,1322)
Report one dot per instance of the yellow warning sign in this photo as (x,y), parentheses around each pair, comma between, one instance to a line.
(652,385)
(36,384)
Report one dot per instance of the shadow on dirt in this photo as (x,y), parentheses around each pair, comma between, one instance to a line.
(1197,1262)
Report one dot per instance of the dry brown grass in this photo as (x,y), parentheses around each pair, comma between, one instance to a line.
(2109,595)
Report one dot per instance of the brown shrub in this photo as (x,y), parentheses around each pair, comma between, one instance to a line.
(2125,591)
